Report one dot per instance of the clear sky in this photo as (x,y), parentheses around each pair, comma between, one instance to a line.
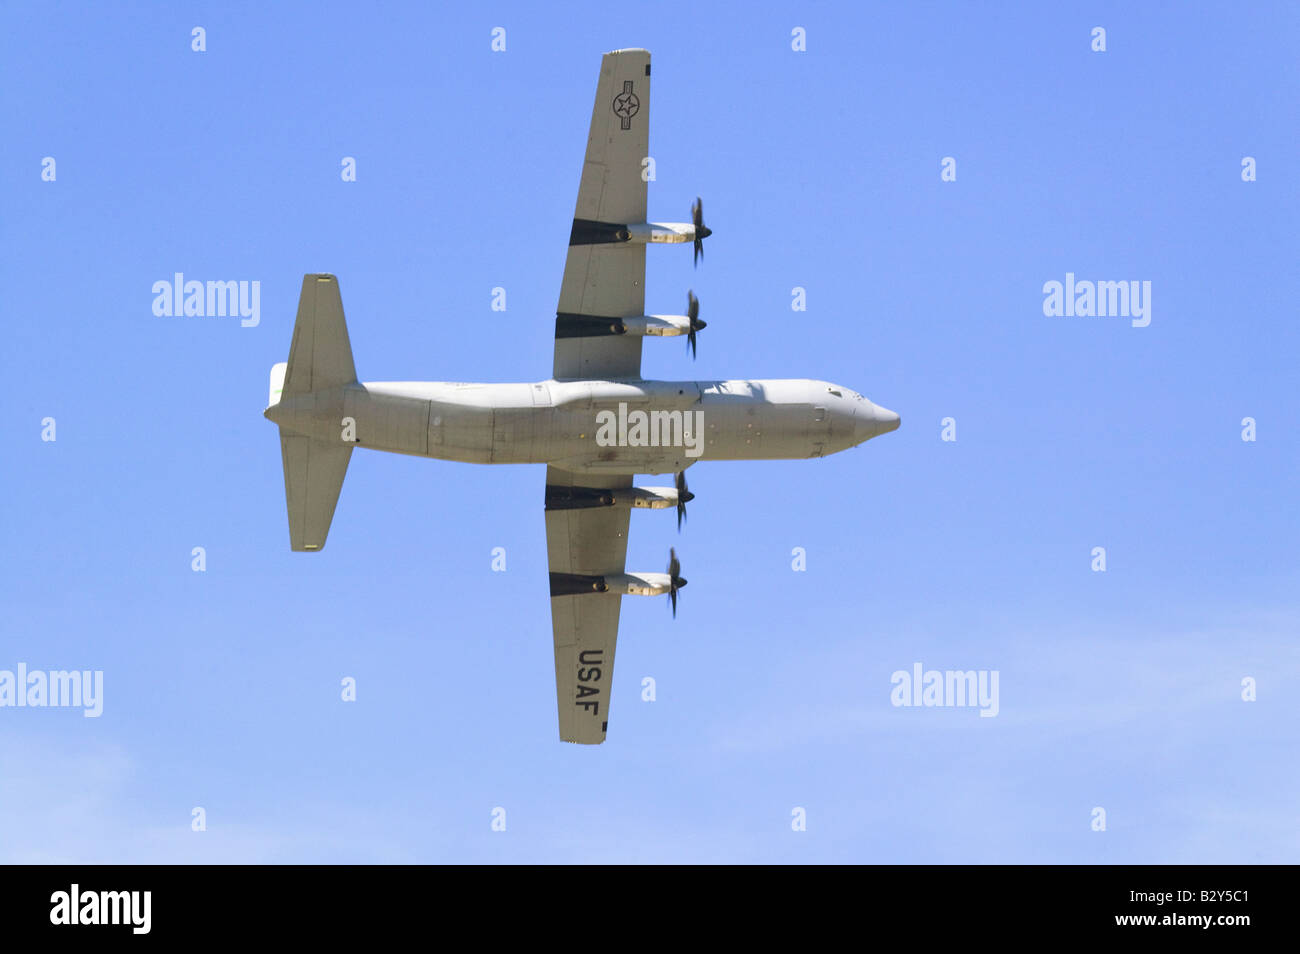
(820,169)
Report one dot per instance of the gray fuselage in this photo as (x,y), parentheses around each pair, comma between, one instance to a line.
(633,426)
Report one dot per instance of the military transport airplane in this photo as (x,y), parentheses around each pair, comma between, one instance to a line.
(595,422)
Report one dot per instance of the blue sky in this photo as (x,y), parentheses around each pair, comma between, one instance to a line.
(819,169)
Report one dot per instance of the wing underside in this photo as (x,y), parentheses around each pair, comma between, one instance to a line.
(582,546)
(604,278)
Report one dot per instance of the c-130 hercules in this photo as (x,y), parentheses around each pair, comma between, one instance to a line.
(595,423)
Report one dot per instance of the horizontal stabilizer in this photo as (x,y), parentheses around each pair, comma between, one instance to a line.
(313,477)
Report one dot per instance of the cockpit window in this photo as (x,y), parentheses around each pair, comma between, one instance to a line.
(835,392)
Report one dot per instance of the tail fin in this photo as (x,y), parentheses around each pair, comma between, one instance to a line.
(320,359)
(321,355)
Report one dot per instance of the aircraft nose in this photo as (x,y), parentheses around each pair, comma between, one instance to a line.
(888,420)
(874,420)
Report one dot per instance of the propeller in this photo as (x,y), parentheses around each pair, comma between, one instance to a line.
(683,497)
(701,230)
(676,582)
(693,313)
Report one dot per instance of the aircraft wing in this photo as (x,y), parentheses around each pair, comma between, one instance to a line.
(603,277)
(583,545)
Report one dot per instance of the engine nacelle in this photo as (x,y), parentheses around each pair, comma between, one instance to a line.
(593,232)
(627,498)
(638,326)
(673,233)
(617,584)
(639,584)
(657,326)
(654,498)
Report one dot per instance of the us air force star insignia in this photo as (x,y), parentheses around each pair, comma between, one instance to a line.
(626,104)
